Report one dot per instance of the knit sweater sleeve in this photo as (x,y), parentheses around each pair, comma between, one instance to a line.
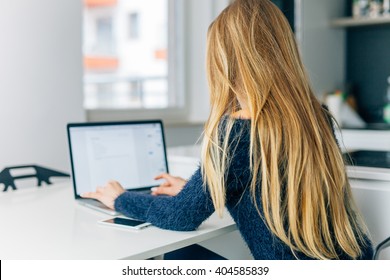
(184,212)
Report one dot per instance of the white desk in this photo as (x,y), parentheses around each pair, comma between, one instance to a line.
(46,223)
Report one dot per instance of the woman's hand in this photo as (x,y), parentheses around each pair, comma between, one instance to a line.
(171,187)
(106,194)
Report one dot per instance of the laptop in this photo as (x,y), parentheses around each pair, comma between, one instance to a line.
(132,153)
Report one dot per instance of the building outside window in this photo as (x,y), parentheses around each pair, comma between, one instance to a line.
(104,36)
(133,26)
(126,55)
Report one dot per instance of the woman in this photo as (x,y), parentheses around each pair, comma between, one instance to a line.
(269,152)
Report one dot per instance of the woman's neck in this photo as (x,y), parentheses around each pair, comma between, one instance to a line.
(241,114)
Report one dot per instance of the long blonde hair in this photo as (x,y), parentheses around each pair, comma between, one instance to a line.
(296,164)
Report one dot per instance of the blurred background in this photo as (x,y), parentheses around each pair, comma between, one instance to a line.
(105,60)
(101,60)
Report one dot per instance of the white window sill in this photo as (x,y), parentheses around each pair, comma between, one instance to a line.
(174,117)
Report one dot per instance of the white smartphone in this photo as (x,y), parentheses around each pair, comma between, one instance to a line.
(125,223)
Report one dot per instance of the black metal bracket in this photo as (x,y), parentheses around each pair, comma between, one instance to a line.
(42,174)
(384,244)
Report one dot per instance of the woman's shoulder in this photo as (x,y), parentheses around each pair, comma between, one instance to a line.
(240,125)
(241,115)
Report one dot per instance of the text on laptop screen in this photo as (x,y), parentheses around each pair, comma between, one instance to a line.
(132,154)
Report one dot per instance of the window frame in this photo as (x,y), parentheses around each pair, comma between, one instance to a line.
(176,78)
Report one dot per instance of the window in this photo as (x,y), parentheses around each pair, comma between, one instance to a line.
(133,26)
(104,38)
(127,55)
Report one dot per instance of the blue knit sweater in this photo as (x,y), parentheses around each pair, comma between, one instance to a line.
(193,205)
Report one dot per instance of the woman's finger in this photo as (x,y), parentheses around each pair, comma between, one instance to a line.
(93,195)
(165,176)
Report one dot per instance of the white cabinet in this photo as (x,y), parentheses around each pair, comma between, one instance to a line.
(371,194)
(359,139)
(373,200)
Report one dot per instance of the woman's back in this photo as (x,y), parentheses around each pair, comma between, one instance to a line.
(298,183)
(260,240)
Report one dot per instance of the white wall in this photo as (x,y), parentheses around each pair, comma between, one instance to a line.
(183,134)
(200,13)
(40,80)
(322,47)
(198,16)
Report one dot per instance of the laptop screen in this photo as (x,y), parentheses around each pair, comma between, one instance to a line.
(132,153)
